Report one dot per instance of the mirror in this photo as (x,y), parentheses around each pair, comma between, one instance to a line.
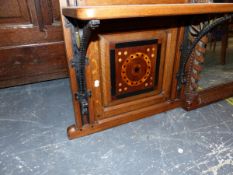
(218,63)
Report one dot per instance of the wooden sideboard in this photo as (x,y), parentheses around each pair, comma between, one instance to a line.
(128,60)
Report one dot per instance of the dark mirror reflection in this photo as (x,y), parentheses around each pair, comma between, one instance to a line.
(218,64)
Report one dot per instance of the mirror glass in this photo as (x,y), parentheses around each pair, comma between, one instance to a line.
(218,64)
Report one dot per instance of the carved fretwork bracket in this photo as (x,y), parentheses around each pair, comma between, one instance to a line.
(193,55)
(80,41)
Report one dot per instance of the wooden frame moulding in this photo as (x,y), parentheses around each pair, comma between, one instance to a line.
(122,2)
(147,10)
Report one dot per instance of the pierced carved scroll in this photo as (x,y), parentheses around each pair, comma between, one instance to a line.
(194,64)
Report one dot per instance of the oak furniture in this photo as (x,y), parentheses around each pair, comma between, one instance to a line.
(31,42)
(132,59)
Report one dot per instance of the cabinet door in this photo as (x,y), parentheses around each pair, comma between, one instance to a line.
(12,11)
(31,45)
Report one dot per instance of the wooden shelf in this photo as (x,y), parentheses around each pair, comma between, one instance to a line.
(132,11)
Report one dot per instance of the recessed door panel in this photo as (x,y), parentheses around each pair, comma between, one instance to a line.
(135,70)
(14,11)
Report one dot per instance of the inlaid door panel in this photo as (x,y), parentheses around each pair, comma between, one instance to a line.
(135,69)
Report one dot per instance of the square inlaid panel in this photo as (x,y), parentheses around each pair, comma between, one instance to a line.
(134,67)
(135,70)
